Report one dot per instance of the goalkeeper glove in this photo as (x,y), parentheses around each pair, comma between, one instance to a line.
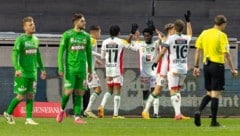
(154,65)
(187,16)
(134,28)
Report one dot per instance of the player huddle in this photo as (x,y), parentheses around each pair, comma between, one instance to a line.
(162,62)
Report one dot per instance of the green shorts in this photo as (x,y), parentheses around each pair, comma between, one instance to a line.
(24,85)
(75,80)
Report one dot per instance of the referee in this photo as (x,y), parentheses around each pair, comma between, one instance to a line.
(215,47)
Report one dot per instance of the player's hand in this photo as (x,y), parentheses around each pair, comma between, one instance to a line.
(187,16)
(150,25)
(154,65)
(99,62)
(134,28)
(18,73)
(160,34)
(60,74)
(196,72)
(234,73)
(43,75)
(90,77)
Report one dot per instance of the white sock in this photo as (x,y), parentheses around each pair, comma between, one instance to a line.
(148,103)
(105,99)
(92,99)
(176,102)
(117,99)
(156,105)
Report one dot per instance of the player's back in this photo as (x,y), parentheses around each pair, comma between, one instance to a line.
(113,48)
(178,49)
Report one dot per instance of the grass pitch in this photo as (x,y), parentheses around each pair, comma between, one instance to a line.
(120,127)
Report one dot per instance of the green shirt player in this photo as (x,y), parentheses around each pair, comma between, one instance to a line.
(74,54)
(25,57)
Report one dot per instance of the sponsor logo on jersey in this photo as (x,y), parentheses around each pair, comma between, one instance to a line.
(77,47)
(30,51)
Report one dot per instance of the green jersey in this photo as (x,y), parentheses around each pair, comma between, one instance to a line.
(26,56)
(78,51)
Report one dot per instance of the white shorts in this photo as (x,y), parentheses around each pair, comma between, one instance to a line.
(161,80)
(118,80)
(175,81)
(95,81)
(147,82)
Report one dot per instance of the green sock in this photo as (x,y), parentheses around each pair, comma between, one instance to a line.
(29,107)
(12,105)
(65,99)
(78,105)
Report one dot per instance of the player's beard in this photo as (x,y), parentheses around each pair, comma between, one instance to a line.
(81,27)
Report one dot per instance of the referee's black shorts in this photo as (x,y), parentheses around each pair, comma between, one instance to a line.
(214,76)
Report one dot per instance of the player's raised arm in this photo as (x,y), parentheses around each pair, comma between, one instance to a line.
(189,26)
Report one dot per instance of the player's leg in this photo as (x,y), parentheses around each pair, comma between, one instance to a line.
(154,96)
(95,85)
(156,100)
(117,84)
(145,85)
(20,89)
(106,96)
(217,85)
(31,91)
(174,81)
(69,82)
(79,88)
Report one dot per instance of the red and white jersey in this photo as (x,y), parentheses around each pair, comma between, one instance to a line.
(178,45)
(112,51)
(163,63)
(147,53)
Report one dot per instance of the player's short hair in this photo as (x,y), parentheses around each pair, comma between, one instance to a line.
(114,30)
(179,25)
(168,26)
(76,16)
(94,28)
(220,19)
(148,30)
(27,19)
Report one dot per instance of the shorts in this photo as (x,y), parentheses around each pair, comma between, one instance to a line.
(115,81)
(147,82)
(214,76)
(24,85)
(175,81)
(161,81)
(95,81)
(75,80)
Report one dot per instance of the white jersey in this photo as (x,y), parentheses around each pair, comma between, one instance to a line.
(147,52)
(178,45)
(112,52)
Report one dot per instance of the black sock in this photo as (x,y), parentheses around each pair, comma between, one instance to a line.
(145,95)
(206,99)
(214,109)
